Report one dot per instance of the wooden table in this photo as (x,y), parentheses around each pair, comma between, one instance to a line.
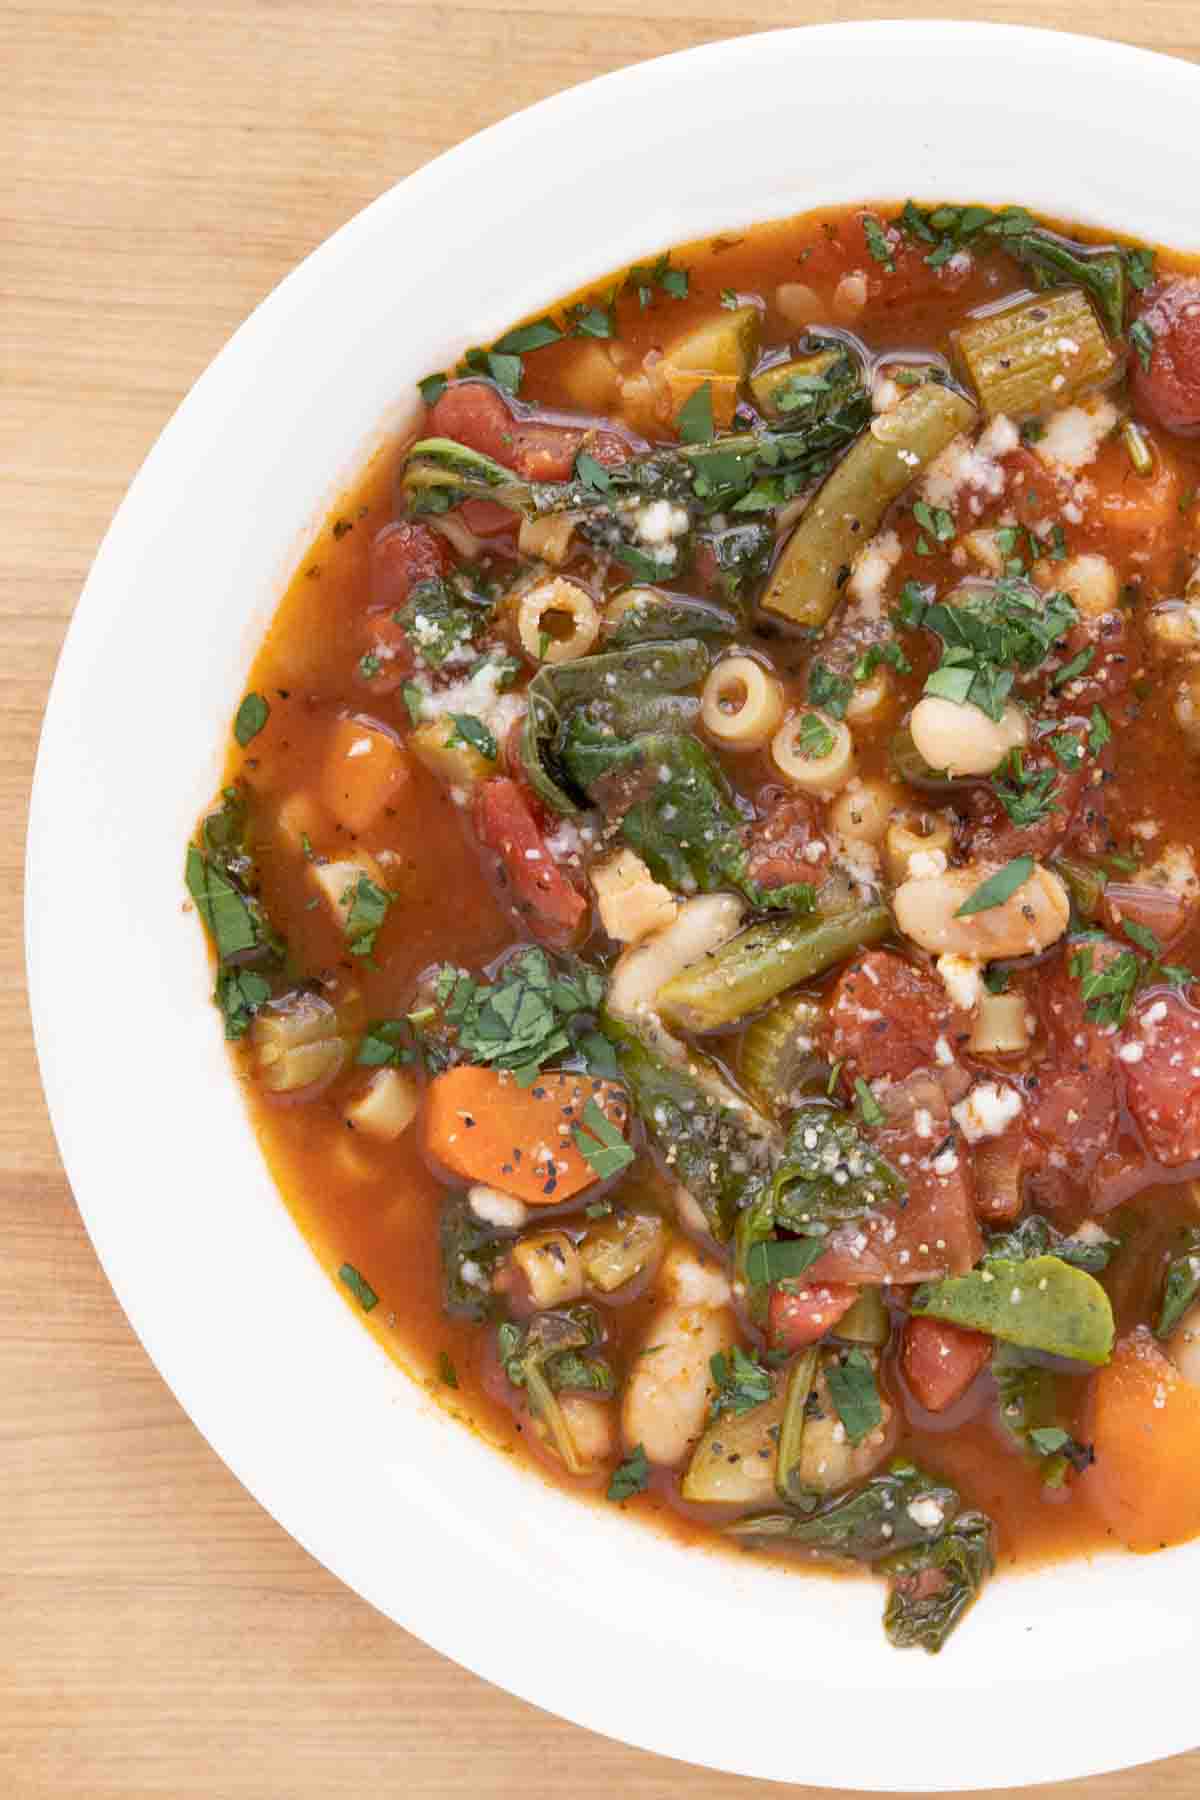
(165,164)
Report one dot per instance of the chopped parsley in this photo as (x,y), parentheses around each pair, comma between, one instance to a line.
(877,242)
(447,1374)
(1139,266)
(1099,731)
(527,337)
(369,665)
(630,1477)
(869,1108)
(695,421)
(814,740)
(368,905)
(983,640)
(505,370)
(252,715)
(520,1021)
(851,1383)
(474,733)
(877,654)
(413,697)
(829,690)
(384,1046)
(1141,336)
(591,473)
(935,523)
(1107,992)
(433,624)
(782,1259)
(601,1144)
(1077,666)
(362,1290)
(741,1382)
(432,388)
(645,277)
(1027,795)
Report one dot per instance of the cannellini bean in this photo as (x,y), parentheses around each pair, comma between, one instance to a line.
(504,1211)
(1174,628)
(742,703)
(689,1278)
(863,810)
(902,842)
(1031,919)
(699,926)
(632,904)
(1183,1345)
(962,739)
(550,1264)
(1089,580)
(666,1396)
(828,1460)
(1001,1025)
(592,1424)
(984,549)
(557,602)
(850,296)
(793,756)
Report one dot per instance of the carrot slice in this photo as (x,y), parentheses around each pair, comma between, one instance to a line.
(1144,1424)
(481,1126)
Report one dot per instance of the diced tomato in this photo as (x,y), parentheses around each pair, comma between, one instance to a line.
(1162,1085)
(387,645)
(402,555)
(487,518)
(1074,1037)
(941,1361)
(1000,1167)
(474,414)
(785,846)
(1169,390)
(803,1311)
(1106,676)
(888,1017)
(537,887)
(1073,1106)
(931,1230)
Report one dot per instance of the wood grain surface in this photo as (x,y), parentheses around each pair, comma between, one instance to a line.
(164,164)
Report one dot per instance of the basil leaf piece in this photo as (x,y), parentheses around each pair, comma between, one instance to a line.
(781,1258)
(630,1477)
(368,907)
(527,337)
(998,887)
(600,1143)
(362,1290)
(695,421)
(851,1383)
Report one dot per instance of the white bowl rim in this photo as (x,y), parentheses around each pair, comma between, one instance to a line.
(502,1604)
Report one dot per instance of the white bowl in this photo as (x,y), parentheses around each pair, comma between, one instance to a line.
(1057,1674)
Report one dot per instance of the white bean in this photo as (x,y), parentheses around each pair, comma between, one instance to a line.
(592,1425)
(799,304)
(1089,580)
(666,1397)
(1031,919)
(961,738)
(699,926)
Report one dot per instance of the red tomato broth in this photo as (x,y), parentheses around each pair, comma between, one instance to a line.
(377,1208)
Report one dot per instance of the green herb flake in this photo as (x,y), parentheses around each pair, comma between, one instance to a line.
(601,1144)
(814,740)
(1141,336)
(383,1045)
(782,1259)
(1099,731)
(730,300)
(368,905)
(474,733)
(432,388)
(1076,666)
(630,1477)
(740,1380)
(527,337)
(447,1374)
(252,715)
(998,887)
(1139,266)
(869,1108)
(362,1290)
(877,242)
(851,1383)
(695,421)
(593,474)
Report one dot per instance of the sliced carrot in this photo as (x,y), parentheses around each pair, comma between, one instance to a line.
(1143,1421)
(365,769)
(480,1125)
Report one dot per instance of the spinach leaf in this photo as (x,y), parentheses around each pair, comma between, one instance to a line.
(933,1585)
(470,1253)
(433,624)
(543,1357)
(659,618)
(894,1510)
(829,1173)
(222,879)
(741,554)
(1035,1236)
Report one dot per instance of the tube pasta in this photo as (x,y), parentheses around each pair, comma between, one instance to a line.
(742,704)
(562,600)
(804,762)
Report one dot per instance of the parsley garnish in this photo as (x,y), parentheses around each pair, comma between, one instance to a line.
(593,474)
(869,1108)
(1099,732)
(741,1382)
(782,1259)
(1075,667)
(875,654)
(506,371)
(936,522)
(472,731)
(985,637)
(252,715)
(998,887)
(829,690)
(432,388)
(645,277)
(1141,336)
(519,1021)
(383,1046)
(592,321)
(730,300)
(1139,265)
(851,1383)
(877,242)
(695,421)
(362,1290)
(630,1477)
(601,1144)
(413,697)
(528,337)
(447,1374)
(1027,796)
(368,904)
(1107,992)
(814,740)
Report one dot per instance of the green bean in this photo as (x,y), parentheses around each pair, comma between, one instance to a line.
(849,508)
(779,1056)
(1037,355)
(867,1321)
(808,384)
(756,965)
(801,1380)
(911,767)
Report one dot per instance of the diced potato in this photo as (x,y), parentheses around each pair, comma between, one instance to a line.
(735,1460)
(387,1107)
(336,880)
(620,1247)
(550,1264)
(720,351)
(455,762)
(631,902)
(365,769)
(1174,628)
(591,378)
